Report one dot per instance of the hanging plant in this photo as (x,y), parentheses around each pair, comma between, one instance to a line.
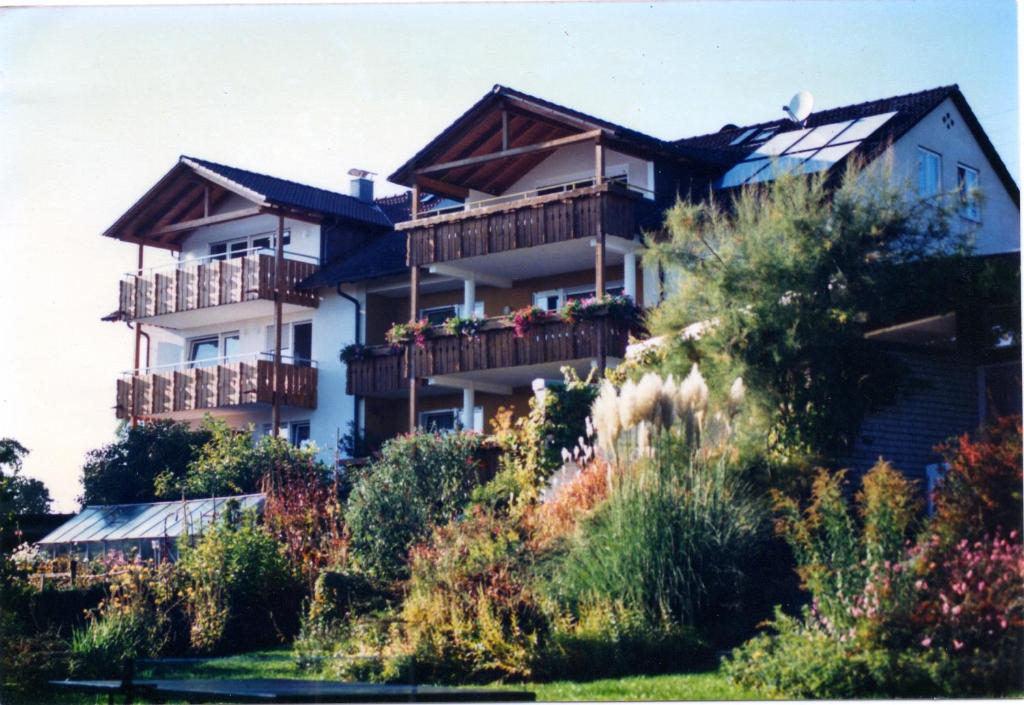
(523,319)
(469,327)
(353,352)
(619,308)
(411,332)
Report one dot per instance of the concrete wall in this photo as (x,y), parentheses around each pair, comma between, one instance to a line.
(999,230)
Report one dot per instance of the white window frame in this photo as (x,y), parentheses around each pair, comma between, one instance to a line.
(922,154)
(247,240)
(287,338)
(478,419)
(970,207)
(564,293)
(222,339)
(293,426)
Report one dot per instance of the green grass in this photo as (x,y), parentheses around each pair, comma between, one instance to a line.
(277,663)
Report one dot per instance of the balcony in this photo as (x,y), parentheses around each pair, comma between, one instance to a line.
(543,216)
(383,370)
(165,295)
(218,384)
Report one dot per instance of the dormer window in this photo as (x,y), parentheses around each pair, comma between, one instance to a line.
(967,186)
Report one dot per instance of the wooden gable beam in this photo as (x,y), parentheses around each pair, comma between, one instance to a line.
(514,152)
(158,202)
(442,188)
(211,220)
(521,132)
(488,175)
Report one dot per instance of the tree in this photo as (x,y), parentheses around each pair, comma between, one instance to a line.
(785,280)
(125,471)
(19,494)
(228,462)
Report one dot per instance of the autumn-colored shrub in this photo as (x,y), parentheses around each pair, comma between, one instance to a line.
(980,492)
(559,516)
(304,512)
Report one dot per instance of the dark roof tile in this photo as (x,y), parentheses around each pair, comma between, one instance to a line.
(290,194)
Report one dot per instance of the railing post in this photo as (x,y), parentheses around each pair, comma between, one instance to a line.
(138,339)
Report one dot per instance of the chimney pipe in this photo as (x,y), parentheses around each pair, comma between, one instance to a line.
(361,186)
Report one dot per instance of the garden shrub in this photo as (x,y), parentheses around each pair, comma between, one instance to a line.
(239,587)
(980,492)
(470,613)
(304,512)
(419,480)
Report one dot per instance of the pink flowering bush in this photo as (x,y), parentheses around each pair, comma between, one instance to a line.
(971,605)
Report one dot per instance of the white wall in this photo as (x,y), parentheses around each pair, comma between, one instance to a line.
(576,162)
(999,230)
(305,237)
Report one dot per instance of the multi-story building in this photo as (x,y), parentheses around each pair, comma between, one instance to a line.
(519,202)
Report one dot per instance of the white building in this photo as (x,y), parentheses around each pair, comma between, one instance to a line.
(519,202)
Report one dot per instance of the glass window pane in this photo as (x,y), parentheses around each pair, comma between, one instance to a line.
(299,432)
(929,166)
(203,352)
(264,242)
(232,345)
(302,349)
(824,158)
(742,136)
(217,251)
(239,248)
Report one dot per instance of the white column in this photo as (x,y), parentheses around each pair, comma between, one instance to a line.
(468,406)
(468,297)
(629,270)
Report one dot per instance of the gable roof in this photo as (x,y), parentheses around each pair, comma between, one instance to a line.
(909,110)
(290,194)
(194,187)
(475,133)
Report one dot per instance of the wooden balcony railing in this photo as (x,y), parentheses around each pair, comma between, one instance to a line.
(190,286)
(384,370)
(612,208)
(232,383)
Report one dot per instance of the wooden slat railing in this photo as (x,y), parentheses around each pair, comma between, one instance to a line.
(384,371)
(610,208)
(215,387)
(192,286)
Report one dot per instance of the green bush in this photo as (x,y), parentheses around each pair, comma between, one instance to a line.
(239,588)
(804,658)
(419,480)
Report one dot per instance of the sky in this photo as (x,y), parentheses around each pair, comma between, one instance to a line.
(96,104)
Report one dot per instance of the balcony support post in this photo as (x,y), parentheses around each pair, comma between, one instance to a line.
(278,296)
(629,274)
(138,343)
(414,310)
(468,297)
(468,406)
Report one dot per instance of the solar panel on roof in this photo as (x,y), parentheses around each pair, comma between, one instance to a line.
(864,127)
(744,135)
(801,151)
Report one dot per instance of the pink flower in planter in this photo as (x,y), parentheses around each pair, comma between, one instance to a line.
(926,642)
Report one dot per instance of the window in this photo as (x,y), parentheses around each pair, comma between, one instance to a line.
(207,351)
(553,299)
(202,352)
(929,172)
(298,433)
(296,342)
(449,420)
(967,185)
(238,247)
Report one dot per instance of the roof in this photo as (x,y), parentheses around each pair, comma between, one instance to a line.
(909,109)
(381,257)
(154,520)
(290,194)
(546,111)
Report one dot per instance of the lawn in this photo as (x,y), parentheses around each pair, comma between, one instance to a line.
(277,663)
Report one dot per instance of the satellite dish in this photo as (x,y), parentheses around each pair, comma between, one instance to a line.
(799,108)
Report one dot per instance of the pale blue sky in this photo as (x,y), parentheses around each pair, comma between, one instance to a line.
(97,103)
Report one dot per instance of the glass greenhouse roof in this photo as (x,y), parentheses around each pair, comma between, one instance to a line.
(130,522)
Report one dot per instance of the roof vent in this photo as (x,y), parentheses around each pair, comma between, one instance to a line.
(728,126)
(361,185)
(800,107)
